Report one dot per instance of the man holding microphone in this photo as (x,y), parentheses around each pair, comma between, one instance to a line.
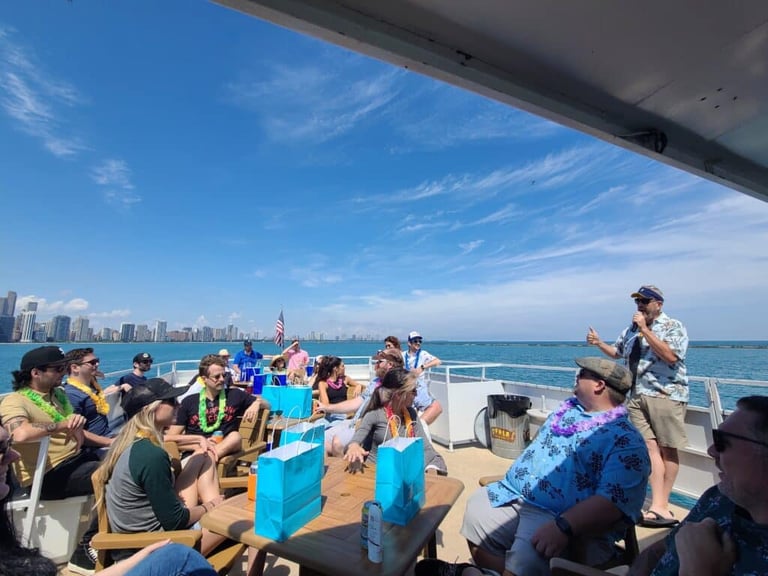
(653,348)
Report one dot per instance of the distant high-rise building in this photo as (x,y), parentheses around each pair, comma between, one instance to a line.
(127,332)
(106,334)
(6,328)
(30,307)
(8,304)
(161,328)
(58,328)
(81,329)
(27,325)
(142,333)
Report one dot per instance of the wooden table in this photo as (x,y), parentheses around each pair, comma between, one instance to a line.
(330,544)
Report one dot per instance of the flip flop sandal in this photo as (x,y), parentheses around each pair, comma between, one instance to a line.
(657,520)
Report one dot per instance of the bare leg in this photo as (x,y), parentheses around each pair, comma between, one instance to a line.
(256,560)
(665,464)
(432,412)
(209,542)
(485,559)
(198,481)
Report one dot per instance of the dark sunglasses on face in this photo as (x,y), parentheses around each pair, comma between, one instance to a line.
(417,340)
(57,368)
(644,301)
(94,362)
(221,376)
(587,374)
(722,440)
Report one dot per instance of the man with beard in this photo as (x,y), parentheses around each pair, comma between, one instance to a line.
(653,348)
(142,363)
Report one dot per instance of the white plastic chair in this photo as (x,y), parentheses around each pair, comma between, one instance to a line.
(50,525)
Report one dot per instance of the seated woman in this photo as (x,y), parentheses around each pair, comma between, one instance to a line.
(333,384)
(20,561)
(142,494)
(389,414)
(312,381)
(276,367)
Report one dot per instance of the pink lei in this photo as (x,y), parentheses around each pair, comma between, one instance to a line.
(582,425)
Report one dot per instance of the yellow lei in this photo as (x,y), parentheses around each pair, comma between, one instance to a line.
(102,406)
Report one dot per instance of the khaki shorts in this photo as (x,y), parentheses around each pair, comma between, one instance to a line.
(659,419)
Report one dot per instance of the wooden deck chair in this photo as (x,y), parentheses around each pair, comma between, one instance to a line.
(105,540)
(254,443)
(48,524)
(626,551)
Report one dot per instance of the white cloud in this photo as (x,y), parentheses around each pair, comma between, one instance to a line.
(35,99)
(113,172)
(468,247)
(314,104)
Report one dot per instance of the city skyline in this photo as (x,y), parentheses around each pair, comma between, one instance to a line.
(232,169)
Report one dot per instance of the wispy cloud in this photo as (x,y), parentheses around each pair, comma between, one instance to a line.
(311,104)
(45,306)
(468,247)
(115,177)
(35,99)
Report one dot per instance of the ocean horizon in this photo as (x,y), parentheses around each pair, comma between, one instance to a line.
(747,359)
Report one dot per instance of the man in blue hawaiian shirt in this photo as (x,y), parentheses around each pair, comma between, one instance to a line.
(583,476)
(726,532)
(654,349)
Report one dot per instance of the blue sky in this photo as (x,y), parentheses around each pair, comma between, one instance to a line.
(180,161)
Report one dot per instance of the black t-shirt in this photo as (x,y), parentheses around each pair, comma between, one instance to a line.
(236,404)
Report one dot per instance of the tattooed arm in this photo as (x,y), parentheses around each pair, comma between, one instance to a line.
(22,430)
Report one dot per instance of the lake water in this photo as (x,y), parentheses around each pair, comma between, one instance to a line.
(743,360)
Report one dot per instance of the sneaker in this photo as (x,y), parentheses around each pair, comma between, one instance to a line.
(433,567)
(83,561)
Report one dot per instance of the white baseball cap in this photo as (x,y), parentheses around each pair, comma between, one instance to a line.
(413,335)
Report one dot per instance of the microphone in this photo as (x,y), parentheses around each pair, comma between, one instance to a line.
(634,327)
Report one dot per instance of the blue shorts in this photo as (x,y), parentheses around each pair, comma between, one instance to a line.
(423,398)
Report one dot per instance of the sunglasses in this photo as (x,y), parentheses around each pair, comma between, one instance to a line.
(145,361)
(588,375)
(416,340)
(643,300)
(60,368)
(722,440)
(94,362)
(221,376)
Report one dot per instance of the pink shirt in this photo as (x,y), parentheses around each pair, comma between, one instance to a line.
(297,359)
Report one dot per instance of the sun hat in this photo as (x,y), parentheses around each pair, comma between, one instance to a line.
(223,352)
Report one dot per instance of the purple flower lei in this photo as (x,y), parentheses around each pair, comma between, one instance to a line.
(582,425)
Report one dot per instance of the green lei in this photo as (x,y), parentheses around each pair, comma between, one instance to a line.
(48,407)
(204,426)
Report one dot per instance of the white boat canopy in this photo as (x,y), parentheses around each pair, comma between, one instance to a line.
(683,82)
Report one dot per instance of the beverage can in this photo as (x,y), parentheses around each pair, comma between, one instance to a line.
(252,473)
(218,436)
(364,524)
(375,540)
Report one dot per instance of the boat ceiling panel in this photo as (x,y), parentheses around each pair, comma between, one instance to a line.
(622,71)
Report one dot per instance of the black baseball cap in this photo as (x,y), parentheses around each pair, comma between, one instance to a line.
(142,357)
(144,394)
(43,356)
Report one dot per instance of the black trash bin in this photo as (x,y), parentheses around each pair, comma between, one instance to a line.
(508,423)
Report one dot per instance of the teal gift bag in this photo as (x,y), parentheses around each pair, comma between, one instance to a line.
(400,479)
(272,395)
(296,401)
(313,432)
(288,489)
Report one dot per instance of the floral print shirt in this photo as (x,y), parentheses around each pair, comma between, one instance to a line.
(558,471)
(751,539)
(654,376)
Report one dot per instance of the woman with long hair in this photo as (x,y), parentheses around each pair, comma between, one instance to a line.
(333,384)
(141,493)
(17,560)
(390,414)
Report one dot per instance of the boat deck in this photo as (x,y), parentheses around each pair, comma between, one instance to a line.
(467,463)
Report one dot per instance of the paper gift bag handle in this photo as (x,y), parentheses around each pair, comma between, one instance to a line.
(389,428)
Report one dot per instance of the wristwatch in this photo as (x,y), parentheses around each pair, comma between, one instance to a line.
(564,526)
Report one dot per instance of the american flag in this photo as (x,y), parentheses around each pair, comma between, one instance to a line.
(280,330)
